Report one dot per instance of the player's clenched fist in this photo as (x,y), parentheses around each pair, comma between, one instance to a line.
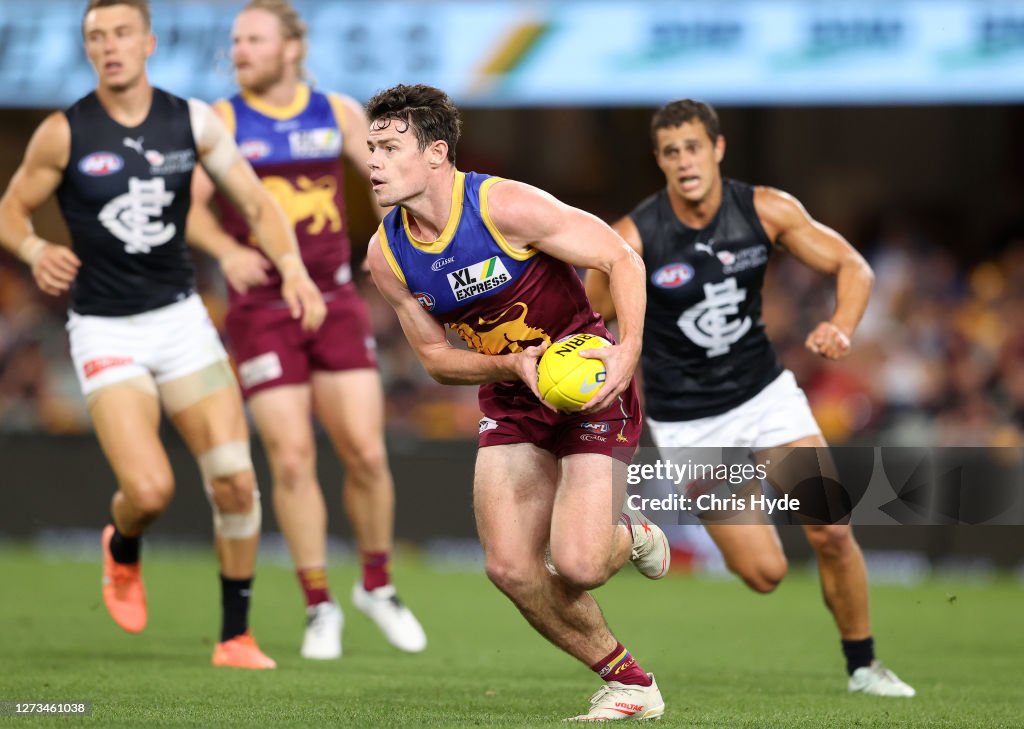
(54,267)
(829,341)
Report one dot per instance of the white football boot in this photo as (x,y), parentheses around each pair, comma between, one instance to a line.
(877,680)
(651,554)
(615,701)
(322,640)
(395,620)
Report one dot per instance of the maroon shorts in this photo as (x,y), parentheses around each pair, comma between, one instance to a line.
(512,414)
(271,349)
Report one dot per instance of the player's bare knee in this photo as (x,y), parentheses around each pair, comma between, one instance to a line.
(580,570)
(149,495)
(831,542)
(515,579)
(583,576)
(763,574)
(294,467)
(367,463)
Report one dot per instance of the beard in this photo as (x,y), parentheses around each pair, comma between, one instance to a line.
(258,82)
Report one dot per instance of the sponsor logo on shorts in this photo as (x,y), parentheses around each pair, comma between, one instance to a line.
(478,278)
(426,300)
(595,427)
(488,424)
(441,263)
(101,164)
(672,275)
(592,437)
(254,149)
(94,366)
(343,275)
(260,369)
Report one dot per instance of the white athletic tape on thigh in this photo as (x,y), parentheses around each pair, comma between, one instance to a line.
(226,460)
(184,392)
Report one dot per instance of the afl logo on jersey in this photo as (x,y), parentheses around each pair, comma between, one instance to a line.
(101,164)
(672,275)
(426,300)
(254,149)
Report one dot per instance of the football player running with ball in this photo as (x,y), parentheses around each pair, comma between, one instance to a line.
(493,260)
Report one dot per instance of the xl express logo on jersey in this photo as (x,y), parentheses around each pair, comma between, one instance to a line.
(478,278)
(313,143)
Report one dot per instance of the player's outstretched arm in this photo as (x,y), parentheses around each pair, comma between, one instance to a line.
(242,266)
(530,218)
(447,364)
(235,178)
(598,285)
(54,267)
(823,249)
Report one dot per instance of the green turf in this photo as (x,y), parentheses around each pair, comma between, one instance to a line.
(724,657)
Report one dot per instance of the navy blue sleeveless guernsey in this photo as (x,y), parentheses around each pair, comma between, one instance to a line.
(705,349)
(125,196)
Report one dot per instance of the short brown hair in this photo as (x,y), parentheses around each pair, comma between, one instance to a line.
(677,113)
(292,24)
(141,5)
(428,110)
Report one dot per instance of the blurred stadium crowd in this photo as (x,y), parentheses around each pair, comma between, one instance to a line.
(938,360)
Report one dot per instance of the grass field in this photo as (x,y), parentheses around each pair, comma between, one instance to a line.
(724,657)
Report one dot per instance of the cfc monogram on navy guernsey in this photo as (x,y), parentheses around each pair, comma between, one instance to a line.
(705,348)
(125,196)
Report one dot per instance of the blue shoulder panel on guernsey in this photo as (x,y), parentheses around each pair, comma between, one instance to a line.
(469,259)
(306,130)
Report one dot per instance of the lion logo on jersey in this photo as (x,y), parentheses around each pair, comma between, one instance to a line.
(311,200)
(505,335)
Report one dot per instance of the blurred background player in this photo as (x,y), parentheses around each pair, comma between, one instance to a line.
(711,376)
(493,260)
(296,137)
(121,161)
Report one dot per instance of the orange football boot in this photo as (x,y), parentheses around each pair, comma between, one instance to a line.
(123,591)
(241,652)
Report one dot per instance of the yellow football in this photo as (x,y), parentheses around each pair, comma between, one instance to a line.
(566,380)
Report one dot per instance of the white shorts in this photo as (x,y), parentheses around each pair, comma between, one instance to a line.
(165,343)
(777,415)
